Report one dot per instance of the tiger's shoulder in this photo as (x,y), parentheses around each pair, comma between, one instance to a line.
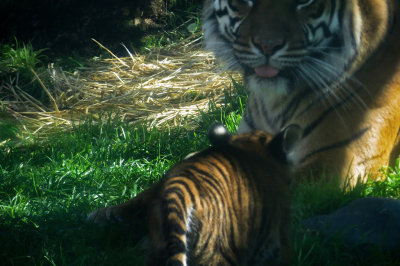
(330,66)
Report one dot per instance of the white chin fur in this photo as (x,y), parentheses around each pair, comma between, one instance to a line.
(276,87)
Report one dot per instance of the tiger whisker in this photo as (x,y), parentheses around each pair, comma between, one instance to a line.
(347,89)
(324,95)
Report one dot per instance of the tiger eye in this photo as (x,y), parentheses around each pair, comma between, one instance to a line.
(304,3)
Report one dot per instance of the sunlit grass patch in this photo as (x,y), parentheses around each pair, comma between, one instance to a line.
(47,188)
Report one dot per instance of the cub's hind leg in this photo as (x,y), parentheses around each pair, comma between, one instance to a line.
(132,212)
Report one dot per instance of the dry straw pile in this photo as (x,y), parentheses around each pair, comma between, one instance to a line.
(163,86)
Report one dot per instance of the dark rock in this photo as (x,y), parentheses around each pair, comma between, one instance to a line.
(363,222)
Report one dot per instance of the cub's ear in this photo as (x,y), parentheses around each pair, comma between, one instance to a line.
(292,135)
(285,142)
(219,134)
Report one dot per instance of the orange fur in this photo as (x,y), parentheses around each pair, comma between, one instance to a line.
(352,115)
(227,205)
(380,74)
(351,142)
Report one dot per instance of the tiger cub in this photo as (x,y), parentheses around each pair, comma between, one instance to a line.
(226,205)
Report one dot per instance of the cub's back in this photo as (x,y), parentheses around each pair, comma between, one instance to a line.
(226,205)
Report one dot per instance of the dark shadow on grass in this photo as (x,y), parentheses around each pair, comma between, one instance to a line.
(65,238)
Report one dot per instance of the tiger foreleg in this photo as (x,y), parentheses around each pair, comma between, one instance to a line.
(395,151)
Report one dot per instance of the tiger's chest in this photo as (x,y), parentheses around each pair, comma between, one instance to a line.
(331,67)
(348,136)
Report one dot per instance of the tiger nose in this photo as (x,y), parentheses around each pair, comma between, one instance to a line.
(270,46)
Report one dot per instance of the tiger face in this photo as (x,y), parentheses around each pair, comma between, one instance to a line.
(330,66)
(289,44)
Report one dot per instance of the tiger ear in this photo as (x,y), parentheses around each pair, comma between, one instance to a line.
(284,142)
(218,134)
(292,134)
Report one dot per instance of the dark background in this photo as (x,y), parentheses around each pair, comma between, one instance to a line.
(63,26)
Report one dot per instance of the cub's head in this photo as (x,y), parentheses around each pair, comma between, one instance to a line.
(259,143)
(282,45)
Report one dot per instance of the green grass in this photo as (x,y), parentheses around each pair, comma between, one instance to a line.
(323,197)
(48,188)
(182,25)
(47,191)
(17,61)
(20,57)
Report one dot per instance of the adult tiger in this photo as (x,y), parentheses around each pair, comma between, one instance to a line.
(330,66)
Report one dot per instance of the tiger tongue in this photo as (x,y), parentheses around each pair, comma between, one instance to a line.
(266,71)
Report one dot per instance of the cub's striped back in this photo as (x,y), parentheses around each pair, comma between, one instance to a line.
(226,205)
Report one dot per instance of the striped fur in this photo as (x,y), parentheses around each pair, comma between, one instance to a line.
(227,205)
(337,66)
(330,66)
